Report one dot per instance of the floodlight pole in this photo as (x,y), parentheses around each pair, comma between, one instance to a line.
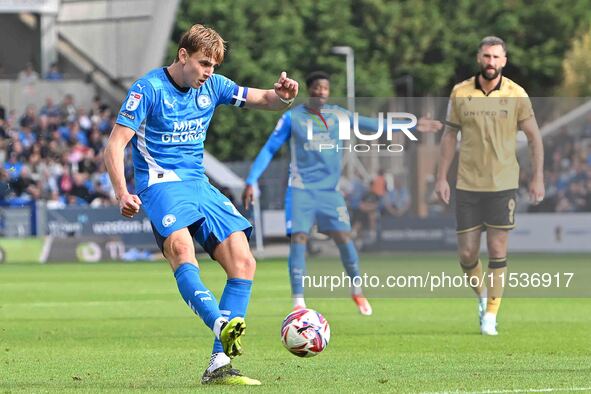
(350,60)
(349,54)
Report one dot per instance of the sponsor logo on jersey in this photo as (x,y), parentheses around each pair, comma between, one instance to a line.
(127,115)
(188,125)
(191,130)
(185,136)
(480,113)
(133,101)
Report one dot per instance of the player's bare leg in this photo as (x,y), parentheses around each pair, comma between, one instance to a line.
(497,268)
(234,255)
(350,261)
(468,252)
(179,249)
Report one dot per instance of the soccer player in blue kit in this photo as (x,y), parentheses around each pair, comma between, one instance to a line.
(165,116)
(312,195)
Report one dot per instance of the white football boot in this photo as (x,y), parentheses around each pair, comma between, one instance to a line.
(488,326)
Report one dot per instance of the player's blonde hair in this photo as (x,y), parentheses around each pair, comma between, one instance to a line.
(205,39)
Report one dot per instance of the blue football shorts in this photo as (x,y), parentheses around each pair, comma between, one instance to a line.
(197,205)
(325,208)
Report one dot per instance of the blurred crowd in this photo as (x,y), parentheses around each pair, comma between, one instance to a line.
(54,153)
(384,195)
(567,171)
(29,75)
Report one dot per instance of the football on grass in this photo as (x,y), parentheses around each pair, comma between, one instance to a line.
(305,332)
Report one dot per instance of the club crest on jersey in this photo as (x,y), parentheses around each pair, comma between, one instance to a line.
(133,101)
(168,220)
(203,101)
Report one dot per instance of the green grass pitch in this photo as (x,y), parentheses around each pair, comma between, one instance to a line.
(124,328)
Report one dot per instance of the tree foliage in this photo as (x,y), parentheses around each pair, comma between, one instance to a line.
(435,42)
(577,67)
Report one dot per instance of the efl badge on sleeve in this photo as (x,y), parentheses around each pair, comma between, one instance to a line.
(133,101)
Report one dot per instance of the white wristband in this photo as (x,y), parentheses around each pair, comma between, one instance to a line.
(288,102)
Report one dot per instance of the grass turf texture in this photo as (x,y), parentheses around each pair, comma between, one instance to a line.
(21,250)
(124,327)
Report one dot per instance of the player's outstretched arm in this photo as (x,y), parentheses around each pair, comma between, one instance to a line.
(279,136)
(284,91)
(534,140)
(129,204)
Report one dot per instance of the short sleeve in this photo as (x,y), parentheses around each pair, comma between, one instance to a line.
(525,109)
(452,109)
(136,105)
(228,92)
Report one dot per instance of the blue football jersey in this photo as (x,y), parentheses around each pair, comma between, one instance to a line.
(170,125)
(310,167)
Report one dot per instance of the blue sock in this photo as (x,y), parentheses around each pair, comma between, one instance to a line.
(196,295)
(297,267)
(349,258)
(233,303)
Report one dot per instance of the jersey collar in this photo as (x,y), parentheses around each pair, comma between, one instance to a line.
(477,85)
(177,87)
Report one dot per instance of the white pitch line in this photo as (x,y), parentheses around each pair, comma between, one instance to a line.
(545,390)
